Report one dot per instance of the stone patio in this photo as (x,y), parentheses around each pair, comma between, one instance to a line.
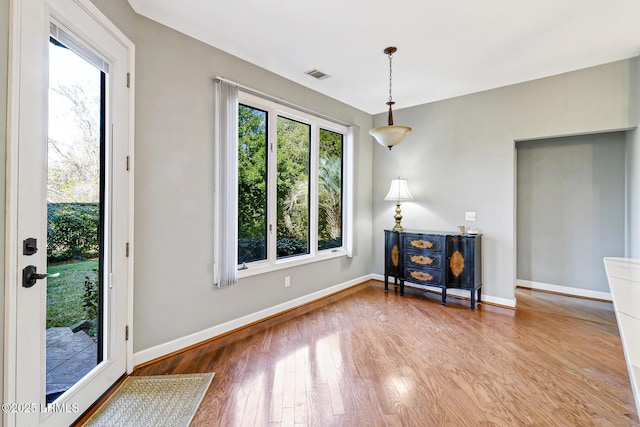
(70,356)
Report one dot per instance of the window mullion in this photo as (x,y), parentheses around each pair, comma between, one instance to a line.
(313,200)
(272,186)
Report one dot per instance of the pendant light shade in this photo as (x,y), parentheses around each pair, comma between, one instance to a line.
(390,135)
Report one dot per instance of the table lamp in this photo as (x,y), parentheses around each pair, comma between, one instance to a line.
(398,192)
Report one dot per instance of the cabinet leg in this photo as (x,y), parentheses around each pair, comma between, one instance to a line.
(395,282)
(444,296)
(401,287)
(386,282)
(473,299)
(479,293)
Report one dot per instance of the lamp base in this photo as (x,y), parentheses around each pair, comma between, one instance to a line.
(398,218)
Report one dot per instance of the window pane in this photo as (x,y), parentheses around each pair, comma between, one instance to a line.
(330,190)
(293,187)
(252,184)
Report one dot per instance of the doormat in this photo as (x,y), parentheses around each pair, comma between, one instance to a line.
(158,400)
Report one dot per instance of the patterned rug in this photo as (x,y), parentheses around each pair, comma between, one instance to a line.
(159,400)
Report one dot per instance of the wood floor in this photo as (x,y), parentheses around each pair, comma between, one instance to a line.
(370,358)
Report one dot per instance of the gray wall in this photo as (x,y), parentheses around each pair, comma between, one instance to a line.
(461,157)
(4,60)
(173,294)
(570,209)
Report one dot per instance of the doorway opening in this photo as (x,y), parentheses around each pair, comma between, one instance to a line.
(570,212)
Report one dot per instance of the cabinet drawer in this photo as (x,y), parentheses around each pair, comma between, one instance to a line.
(422,259)
(423,275)
(422,241)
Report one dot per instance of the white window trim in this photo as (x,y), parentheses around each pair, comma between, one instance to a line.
(279,108)
(261,267)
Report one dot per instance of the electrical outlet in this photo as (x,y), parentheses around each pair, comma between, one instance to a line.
(287,281)
(470,216)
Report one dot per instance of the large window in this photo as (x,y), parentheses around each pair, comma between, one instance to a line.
(291,186)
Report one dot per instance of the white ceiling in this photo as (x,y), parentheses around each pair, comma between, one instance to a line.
(446,48)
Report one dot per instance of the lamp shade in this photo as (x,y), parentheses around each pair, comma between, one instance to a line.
(398,190)
(389,136)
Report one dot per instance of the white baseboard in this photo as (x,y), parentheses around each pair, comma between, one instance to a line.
(158,351)
(505,302)
(510,303)
(568,290)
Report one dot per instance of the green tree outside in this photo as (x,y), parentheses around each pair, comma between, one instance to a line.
(293,171)
(252,184)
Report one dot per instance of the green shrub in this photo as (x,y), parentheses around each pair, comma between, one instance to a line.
(72,231)
(288,246)
(90,299)
(329,243)
(251,249)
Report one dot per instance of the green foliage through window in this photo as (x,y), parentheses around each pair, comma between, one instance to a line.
(252,184)
(72,231)
(330,190)
(294,144)
(302,208)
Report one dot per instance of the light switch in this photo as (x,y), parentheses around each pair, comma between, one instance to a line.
(470,216)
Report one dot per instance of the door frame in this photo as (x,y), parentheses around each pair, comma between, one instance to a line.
(33,16)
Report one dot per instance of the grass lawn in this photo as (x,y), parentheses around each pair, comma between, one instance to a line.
(65,293)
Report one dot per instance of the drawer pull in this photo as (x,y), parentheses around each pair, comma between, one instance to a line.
(424,260)
(422,244)
(420,275)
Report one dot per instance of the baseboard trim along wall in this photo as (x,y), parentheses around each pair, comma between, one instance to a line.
(161,350)
(567,290)
(460,293)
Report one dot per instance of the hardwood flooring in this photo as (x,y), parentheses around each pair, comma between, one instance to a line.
(371,358)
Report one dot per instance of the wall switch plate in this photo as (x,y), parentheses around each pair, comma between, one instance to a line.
(470,216)
(287,281)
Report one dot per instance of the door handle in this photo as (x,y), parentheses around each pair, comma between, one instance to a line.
(30,275)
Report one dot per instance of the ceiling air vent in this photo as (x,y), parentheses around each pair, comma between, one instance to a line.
(317,74)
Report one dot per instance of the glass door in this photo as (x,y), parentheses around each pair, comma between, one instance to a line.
(70,217)
(75,218)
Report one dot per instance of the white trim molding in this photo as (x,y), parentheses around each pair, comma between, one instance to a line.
(178,344)
(567,290)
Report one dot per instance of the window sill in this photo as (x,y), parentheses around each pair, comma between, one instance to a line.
(253,270)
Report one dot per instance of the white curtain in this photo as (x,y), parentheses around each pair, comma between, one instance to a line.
(225,264)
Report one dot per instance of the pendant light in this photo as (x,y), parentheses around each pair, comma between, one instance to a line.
(390,135)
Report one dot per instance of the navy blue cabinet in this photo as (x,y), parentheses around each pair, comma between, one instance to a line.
(444,260)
